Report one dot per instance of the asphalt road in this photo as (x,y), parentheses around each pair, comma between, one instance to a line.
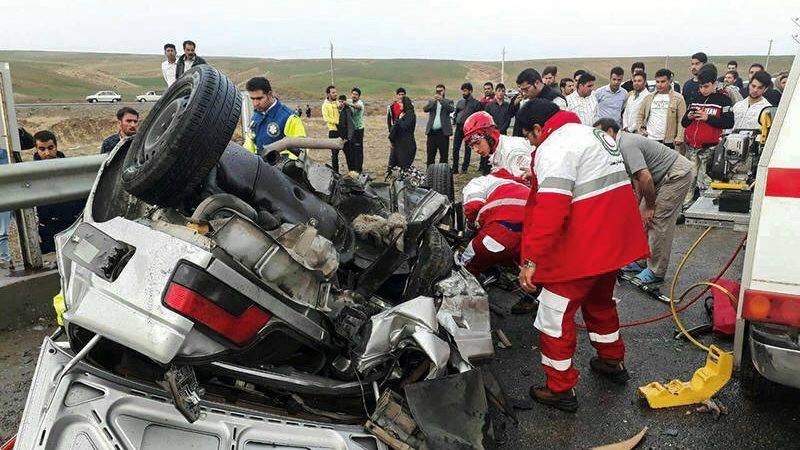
(608,413)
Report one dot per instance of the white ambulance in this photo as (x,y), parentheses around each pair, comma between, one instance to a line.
(767,343)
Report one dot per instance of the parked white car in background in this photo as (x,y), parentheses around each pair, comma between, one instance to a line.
(149,96)
(104,96)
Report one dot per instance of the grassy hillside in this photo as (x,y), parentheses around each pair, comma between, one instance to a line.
(62,76)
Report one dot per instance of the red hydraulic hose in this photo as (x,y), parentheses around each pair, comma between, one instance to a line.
(10,444)
(690,302)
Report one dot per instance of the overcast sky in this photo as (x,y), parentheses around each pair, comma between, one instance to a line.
(466,29)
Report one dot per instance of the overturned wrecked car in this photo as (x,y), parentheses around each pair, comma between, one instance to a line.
(264,298)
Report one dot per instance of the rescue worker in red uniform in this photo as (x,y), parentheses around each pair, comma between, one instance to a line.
(495,206)
(581,226)
(504,152)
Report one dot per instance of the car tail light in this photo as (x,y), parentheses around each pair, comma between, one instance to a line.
(209,302)
(771,307)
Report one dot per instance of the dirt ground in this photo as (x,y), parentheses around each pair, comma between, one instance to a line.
(19,350)
(81,129)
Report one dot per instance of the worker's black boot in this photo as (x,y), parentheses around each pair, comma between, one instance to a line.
(528,303)
(565,401)
(613,369)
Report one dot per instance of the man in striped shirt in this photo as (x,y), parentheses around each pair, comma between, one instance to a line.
(583,102)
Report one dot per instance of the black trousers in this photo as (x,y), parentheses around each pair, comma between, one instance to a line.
(354,151)
(437,141)
(333,134)
(458,137)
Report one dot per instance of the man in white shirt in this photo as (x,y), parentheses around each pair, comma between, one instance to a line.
(611,97)
(168,66)
(634,101)
(583,102)
(659,117)
(657,122)
(747,111)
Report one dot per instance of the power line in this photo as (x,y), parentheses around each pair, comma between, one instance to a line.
(503,67)
(769,51)
(332,83)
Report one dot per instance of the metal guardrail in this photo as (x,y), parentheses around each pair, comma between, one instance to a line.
(33,183)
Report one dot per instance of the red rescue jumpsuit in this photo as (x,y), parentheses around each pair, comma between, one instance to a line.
(587,226)
(495,205)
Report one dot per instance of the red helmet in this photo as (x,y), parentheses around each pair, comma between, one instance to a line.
(479,122)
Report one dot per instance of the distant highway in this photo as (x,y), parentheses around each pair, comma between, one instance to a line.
(84,103)
(289,102)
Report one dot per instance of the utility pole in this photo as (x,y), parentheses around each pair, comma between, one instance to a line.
(503,67)
(666,62)
(769,51)
(331,62)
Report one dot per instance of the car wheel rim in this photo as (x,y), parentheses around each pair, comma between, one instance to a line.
(163,123)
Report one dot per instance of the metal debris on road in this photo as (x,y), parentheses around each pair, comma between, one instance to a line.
(502,339)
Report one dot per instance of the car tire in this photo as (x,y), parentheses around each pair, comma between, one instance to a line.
(753,384)
(141,100)
(92,100)
(440,179)
(182,137)
(434,262)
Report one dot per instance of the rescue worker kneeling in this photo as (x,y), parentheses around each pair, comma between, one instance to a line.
(512,154)
(494,205)
(587,227)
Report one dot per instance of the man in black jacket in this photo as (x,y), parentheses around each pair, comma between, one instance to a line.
(54,218)
(464,108)
(691,86)
(637,67)
(128,121)
(188,59)
(346,129)
(733,66)
(531,86)
(439,128)
(499,109)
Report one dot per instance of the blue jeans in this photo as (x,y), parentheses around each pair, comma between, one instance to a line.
(5,222)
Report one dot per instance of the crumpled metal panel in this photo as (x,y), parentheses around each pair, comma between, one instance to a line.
(452,411)
(413,320)
(308,248)
(300,271)
(118,419)
(464,313)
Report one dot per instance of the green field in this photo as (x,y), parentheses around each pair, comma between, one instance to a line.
(62,76)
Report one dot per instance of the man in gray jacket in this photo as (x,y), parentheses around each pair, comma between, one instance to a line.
(439,128)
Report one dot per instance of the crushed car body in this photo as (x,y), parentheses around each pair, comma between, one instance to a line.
(263,292)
